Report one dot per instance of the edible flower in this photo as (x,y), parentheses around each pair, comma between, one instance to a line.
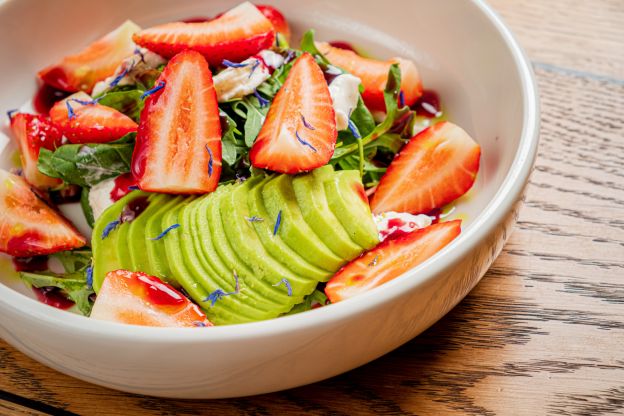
(303,142)
(165,232)
(277,222)
(286,283)
(160,86)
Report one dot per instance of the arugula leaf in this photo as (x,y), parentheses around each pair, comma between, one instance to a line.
(253,113)
(307,45)
(271,86)
(391,96)
(128,102)
(74,285)
(313,300)
(362,118)
(73,260)
(231,145)
(88,164)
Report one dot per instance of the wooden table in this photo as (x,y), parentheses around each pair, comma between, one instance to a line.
(543,333)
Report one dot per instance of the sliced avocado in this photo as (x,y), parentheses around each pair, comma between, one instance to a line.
(280,202)
(229,309)
(348,202)
(105,253)
(185,277)
(156,255)
(136,244)
(242,235)
(208,256)
(280,299)
(310,193)
(273,244)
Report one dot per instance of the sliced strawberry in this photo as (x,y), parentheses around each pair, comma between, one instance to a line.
(29,227)
(390,259)
(136,298)
(277,19)
(32,133)
(90,122)
(98,61)
(374,75)
(235,35)
(178,147)
(299,132)
(437,166)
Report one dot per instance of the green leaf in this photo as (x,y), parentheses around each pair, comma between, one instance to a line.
(230,143)
(362,118)
(253,113)
(86,207)
(313,300)
(307,45)
(128,102)
(271,86)
(390,141)
(73,260)
(391,96)
(88,164)
(74,285)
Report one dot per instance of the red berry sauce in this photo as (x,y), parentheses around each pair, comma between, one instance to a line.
(45,98)
(53,296)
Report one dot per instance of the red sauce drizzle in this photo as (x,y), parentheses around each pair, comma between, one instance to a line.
(428,105)
(122,185)
(197,19)
(30,242)
(45,98)
(53,296)
(160,293)
(435,215)
(342,45)
(30,264)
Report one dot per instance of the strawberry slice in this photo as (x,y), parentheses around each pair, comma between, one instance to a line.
(235,35)
(84,121)
(98,61)
(299,132)
(437,166)
(390,259)
(374,75)
(136,298)
(29,227)
(277,19)
(32,133)
(178,146)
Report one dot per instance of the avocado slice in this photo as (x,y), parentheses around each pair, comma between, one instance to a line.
(273,243)
(248,282)
(280,201)
(136,243)
(156,254)
(239,308)
(105,252)
(242,235)
(310,193)
(348,202)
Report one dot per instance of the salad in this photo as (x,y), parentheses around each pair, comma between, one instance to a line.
(228,176)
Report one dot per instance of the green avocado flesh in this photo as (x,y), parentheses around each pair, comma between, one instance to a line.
(227,250)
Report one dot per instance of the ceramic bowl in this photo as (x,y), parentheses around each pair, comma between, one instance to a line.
(463,51)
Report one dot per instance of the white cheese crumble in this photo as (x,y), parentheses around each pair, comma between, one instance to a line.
(100,196)
(237,82)
(344,93)
(391,222)
(142,60)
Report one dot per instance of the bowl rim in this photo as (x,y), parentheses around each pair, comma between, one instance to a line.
(493,214)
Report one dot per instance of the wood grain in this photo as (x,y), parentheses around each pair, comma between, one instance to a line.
(543,333)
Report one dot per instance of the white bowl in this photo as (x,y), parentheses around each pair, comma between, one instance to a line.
(463,51)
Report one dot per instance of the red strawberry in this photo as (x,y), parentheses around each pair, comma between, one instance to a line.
(374,75)
(390,259)
(299,132)
(277,19)
(32,133)
(235,35)
(98,61)
(178,147)
(29,227)
(136,298)
(437,166)
(90,122)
